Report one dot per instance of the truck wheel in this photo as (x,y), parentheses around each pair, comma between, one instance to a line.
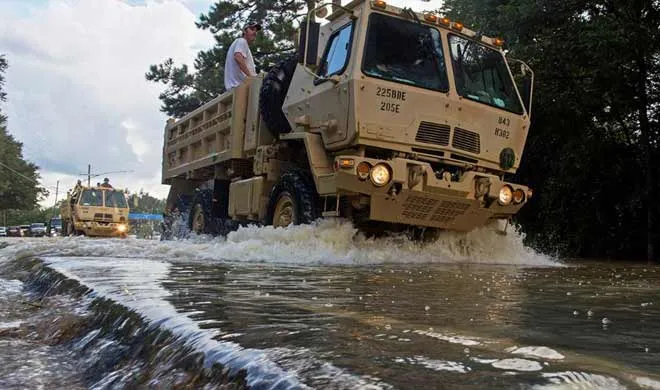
(273,92)
(199,220)
(293,200)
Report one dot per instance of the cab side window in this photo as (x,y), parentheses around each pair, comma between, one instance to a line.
(337,52)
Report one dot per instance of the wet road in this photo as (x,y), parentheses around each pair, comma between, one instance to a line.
(315,307)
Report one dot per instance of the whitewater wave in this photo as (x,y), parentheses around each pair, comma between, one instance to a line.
(327,242)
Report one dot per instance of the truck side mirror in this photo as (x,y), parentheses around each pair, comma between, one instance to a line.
(310,42)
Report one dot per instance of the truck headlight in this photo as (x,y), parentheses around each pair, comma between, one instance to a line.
(121,228)
(506,195)
(518,196)
(363,170)
(380,175)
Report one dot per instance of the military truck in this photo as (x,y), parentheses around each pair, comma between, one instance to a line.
(95,211)
(394,119)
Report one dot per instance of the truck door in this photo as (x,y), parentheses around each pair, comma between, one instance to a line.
(330,96)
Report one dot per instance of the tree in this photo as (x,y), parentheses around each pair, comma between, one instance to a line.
(187,90)
(19,185)
(142,202)
(3,68)
(594,129)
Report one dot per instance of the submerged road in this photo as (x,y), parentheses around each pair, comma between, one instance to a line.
(315,307)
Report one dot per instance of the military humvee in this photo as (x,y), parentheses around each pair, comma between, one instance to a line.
(392,118)
(95,211)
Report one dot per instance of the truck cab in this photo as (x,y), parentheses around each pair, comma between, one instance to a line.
(95,211)
(423,116)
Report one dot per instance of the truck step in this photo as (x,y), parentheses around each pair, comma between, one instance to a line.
(332,213)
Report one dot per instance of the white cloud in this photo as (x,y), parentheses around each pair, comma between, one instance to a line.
(76,88)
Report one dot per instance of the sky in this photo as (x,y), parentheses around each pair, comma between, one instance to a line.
(76,92)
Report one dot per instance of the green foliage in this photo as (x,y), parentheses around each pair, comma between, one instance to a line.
(591,154)
(19,187)
(187,89)
(3,68)
(142,202)
(26,217)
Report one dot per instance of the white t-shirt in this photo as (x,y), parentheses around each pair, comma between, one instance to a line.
(233,73)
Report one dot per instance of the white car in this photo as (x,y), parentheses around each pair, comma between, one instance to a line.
(3,231)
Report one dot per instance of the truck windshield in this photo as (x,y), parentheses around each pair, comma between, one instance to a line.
(115,199)
(91,198)
(405,52)
(482,74)
(55,222)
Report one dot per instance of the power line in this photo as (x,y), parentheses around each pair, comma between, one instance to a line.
(23,176)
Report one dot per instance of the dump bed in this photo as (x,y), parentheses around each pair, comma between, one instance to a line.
(205,137)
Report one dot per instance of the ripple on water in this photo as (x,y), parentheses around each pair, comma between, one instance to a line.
(435,364)
(518,364)
(540,352)
(450,339)
(578,380)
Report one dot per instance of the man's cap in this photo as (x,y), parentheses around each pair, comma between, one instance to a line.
(252,24)
(106,179)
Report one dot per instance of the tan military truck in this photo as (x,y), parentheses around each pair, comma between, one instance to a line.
(95,211)
(394,119)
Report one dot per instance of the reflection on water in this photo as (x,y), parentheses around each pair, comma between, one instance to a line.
(379,314)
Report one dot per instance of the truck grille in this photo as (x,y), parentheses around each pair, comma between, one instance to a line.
(102,217)
(417,207)
(448,211)
(425,209)
(466,140)
(433,133)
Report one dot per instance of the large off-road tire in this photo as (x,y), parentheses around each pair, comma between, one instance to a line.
(293,200)
(200,220)
(272,95)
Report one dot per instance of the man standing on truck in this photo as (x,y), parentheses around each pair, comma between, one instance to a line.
(106,183)
(239,63)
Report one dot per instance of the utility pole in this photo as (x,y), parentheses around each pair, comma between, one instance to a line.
(89,174)
(57,188)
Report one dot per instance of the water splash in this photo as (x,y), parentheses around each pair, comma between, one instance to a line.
(327,242)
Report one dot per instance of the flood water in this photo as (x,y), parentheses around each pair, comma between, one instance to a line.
(318,307)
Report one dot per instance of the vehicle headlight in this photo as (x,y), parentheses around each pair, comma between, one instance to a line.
(506,195)
(121,228)
(363,170)
(518,196)
(380,175)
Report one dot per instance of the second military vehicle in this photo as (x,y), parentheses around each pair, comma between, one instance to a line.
(95,211)
(394,119)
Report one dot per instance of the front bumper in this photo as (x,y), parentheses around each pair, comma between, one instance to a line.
(418,196)
(103,229)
